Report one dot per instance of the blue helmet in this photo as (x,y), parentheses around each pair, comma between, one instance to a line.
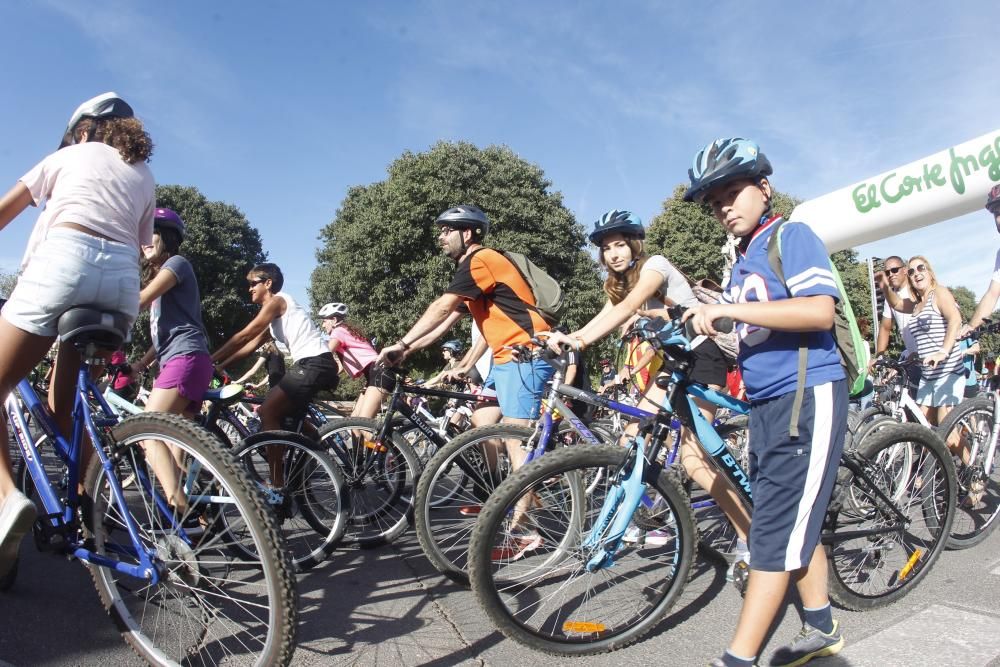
(618,222)
(453,346)
(725,160)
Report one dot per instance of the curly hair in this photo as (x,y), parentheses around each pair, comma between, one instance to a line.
(618,285)
(127,135)
(352,329)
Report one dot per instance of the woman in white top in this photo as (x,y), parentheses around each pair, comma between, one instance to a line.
(639,282)
(99,199)
(281,319)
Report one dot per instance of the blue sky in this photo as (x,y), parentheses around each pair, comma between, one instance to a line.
(279,108)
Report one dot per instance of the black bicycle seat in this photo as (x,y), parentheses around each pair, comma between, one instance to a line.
(82,325)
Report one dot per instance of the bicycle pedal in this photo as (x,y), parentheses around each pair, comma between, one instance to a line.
(48,537)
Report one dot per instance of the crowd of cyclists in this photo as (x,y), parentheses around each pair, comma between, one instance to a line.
(100,224)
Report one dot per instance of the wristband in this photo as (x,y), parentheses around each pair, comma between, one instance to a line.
(579,343)
(403,344)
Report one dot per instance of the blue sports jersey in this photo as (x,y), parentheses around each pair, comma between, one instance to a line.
(770,359)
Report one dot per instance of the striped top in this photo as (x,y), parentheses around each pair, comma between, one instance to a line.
(929,329)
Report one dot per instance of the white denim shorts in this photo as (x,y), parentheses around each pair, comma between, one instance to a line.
(71,268)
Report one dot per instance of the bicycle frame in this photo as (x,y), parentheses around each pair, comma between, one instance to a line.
(57,514)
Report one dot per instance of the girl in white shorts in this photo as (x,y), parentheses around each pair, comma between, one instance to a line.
(99,199)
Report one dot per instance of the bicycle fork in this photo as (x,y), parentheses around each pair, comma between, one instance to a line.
(620,504)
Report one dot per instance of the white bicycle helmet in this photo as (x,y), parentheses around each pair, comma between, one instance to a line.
(333,310)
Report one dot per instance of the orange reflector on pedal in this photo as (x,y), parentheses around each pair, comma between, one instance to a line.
(583,627)
(908,568)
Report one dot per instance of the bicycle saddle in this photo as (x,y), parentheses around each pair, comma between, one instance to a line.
(83,325)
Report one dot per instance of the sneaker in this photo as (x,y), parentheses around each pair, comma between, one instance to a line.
(16,518)
(659,537)
(740,555)
(516,546)
(974,495)
(470,510)
(808,644)
(633,534)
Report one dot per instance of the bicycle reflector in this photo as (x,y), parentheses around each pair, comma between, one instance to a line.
(583,628)
(908,568)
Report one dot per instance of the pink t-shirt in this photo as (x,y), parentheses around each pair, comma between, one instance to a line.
(355,352)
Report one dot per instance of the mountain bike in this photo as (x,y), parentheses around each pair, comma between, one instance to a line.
(162,571)
(973,428)
(549,565)
(380,466)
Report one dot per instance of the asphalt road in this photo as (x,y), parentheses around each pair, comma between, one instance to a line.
(388,607)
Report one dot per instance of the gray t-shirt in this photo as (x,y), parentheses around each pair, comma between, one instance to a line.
(175,317)
(675,286)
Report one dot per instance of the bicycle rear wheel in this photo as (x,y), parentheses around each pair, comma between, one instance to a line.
(380,478)
(970,426)
(206,607)
(310,502)
(887,525)
(546,593)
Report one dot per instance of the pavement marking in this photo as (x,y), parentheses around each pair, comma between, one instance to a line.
(996,569)
(937,635)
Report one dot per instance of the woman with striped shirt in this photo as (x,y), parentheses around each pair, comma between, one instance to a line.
(935,323)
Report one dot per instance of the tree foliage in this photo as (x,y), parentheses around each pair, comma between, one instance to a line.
(222,246)
(7,282)
(380,253)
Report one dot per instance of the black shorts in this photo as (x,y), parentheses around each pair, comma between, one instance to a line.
(710,365)
(377,376)
(309,376)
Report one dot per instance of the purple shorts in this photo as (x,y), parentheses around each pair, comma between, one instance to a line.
(190,374)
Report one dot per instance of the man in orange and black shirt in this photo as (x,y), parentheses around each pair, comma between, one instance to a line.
(502,304)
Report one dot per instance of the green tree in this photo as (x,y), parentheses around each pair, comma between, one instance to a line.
(380,253)
(222,246)
(7,282)
(966,300)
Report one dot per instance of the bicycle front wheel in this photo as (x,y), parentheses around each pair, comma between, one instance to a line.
(535,557)
(206,608)
(968,430)
(304,488)
(380,478)
(888,523)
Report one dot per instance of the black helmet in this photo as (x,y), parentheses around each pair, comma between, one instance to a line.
(465,216)
(725,160)
(108,105)
(615,221)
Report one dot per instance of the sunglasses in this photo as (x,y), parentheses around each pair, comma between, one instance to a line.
(919,267)
(893,271)
(258,281)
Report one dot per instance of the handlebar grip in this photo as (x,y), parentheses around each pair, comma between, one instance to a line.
(722,325)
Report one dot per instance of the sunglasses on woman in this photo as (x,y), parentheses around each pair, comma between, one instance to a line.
(919,267)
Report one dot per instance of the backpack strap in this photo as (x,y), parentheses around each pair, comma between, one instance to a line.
(774,259)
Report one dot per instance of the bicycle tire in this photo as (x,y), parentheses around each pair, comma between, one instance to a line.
(870,570)
(978,504)
(380,479)
(250,608)
(616,605)
(226,431)
(452,489)
(311,506)
(872,423)
(716,535)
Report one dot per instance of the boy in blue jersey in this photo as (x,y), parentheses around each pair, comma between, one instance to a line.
(795,440)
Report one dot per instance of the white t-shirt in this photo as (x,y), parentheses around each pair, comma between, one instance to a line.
(675,285)
(91,185)
(296,331)
(902,319)
(485,363)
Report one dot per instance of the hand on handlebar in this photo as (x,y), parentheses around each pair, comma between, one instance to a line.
(557,341)
(703,318)
(391,356)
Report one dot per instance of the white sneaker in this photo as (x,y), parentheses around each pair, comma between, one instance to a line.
(633,534)
(17,514)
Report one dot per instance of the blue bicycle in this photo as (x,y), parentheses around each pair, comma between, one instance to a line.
(162,569)
(547,558)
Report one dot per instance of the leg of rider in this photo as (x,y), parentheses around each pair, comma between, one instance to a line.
(276,405)
(703,471)
(163,459)
(369,402)
(484,416)
(764,597)
(20,351)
